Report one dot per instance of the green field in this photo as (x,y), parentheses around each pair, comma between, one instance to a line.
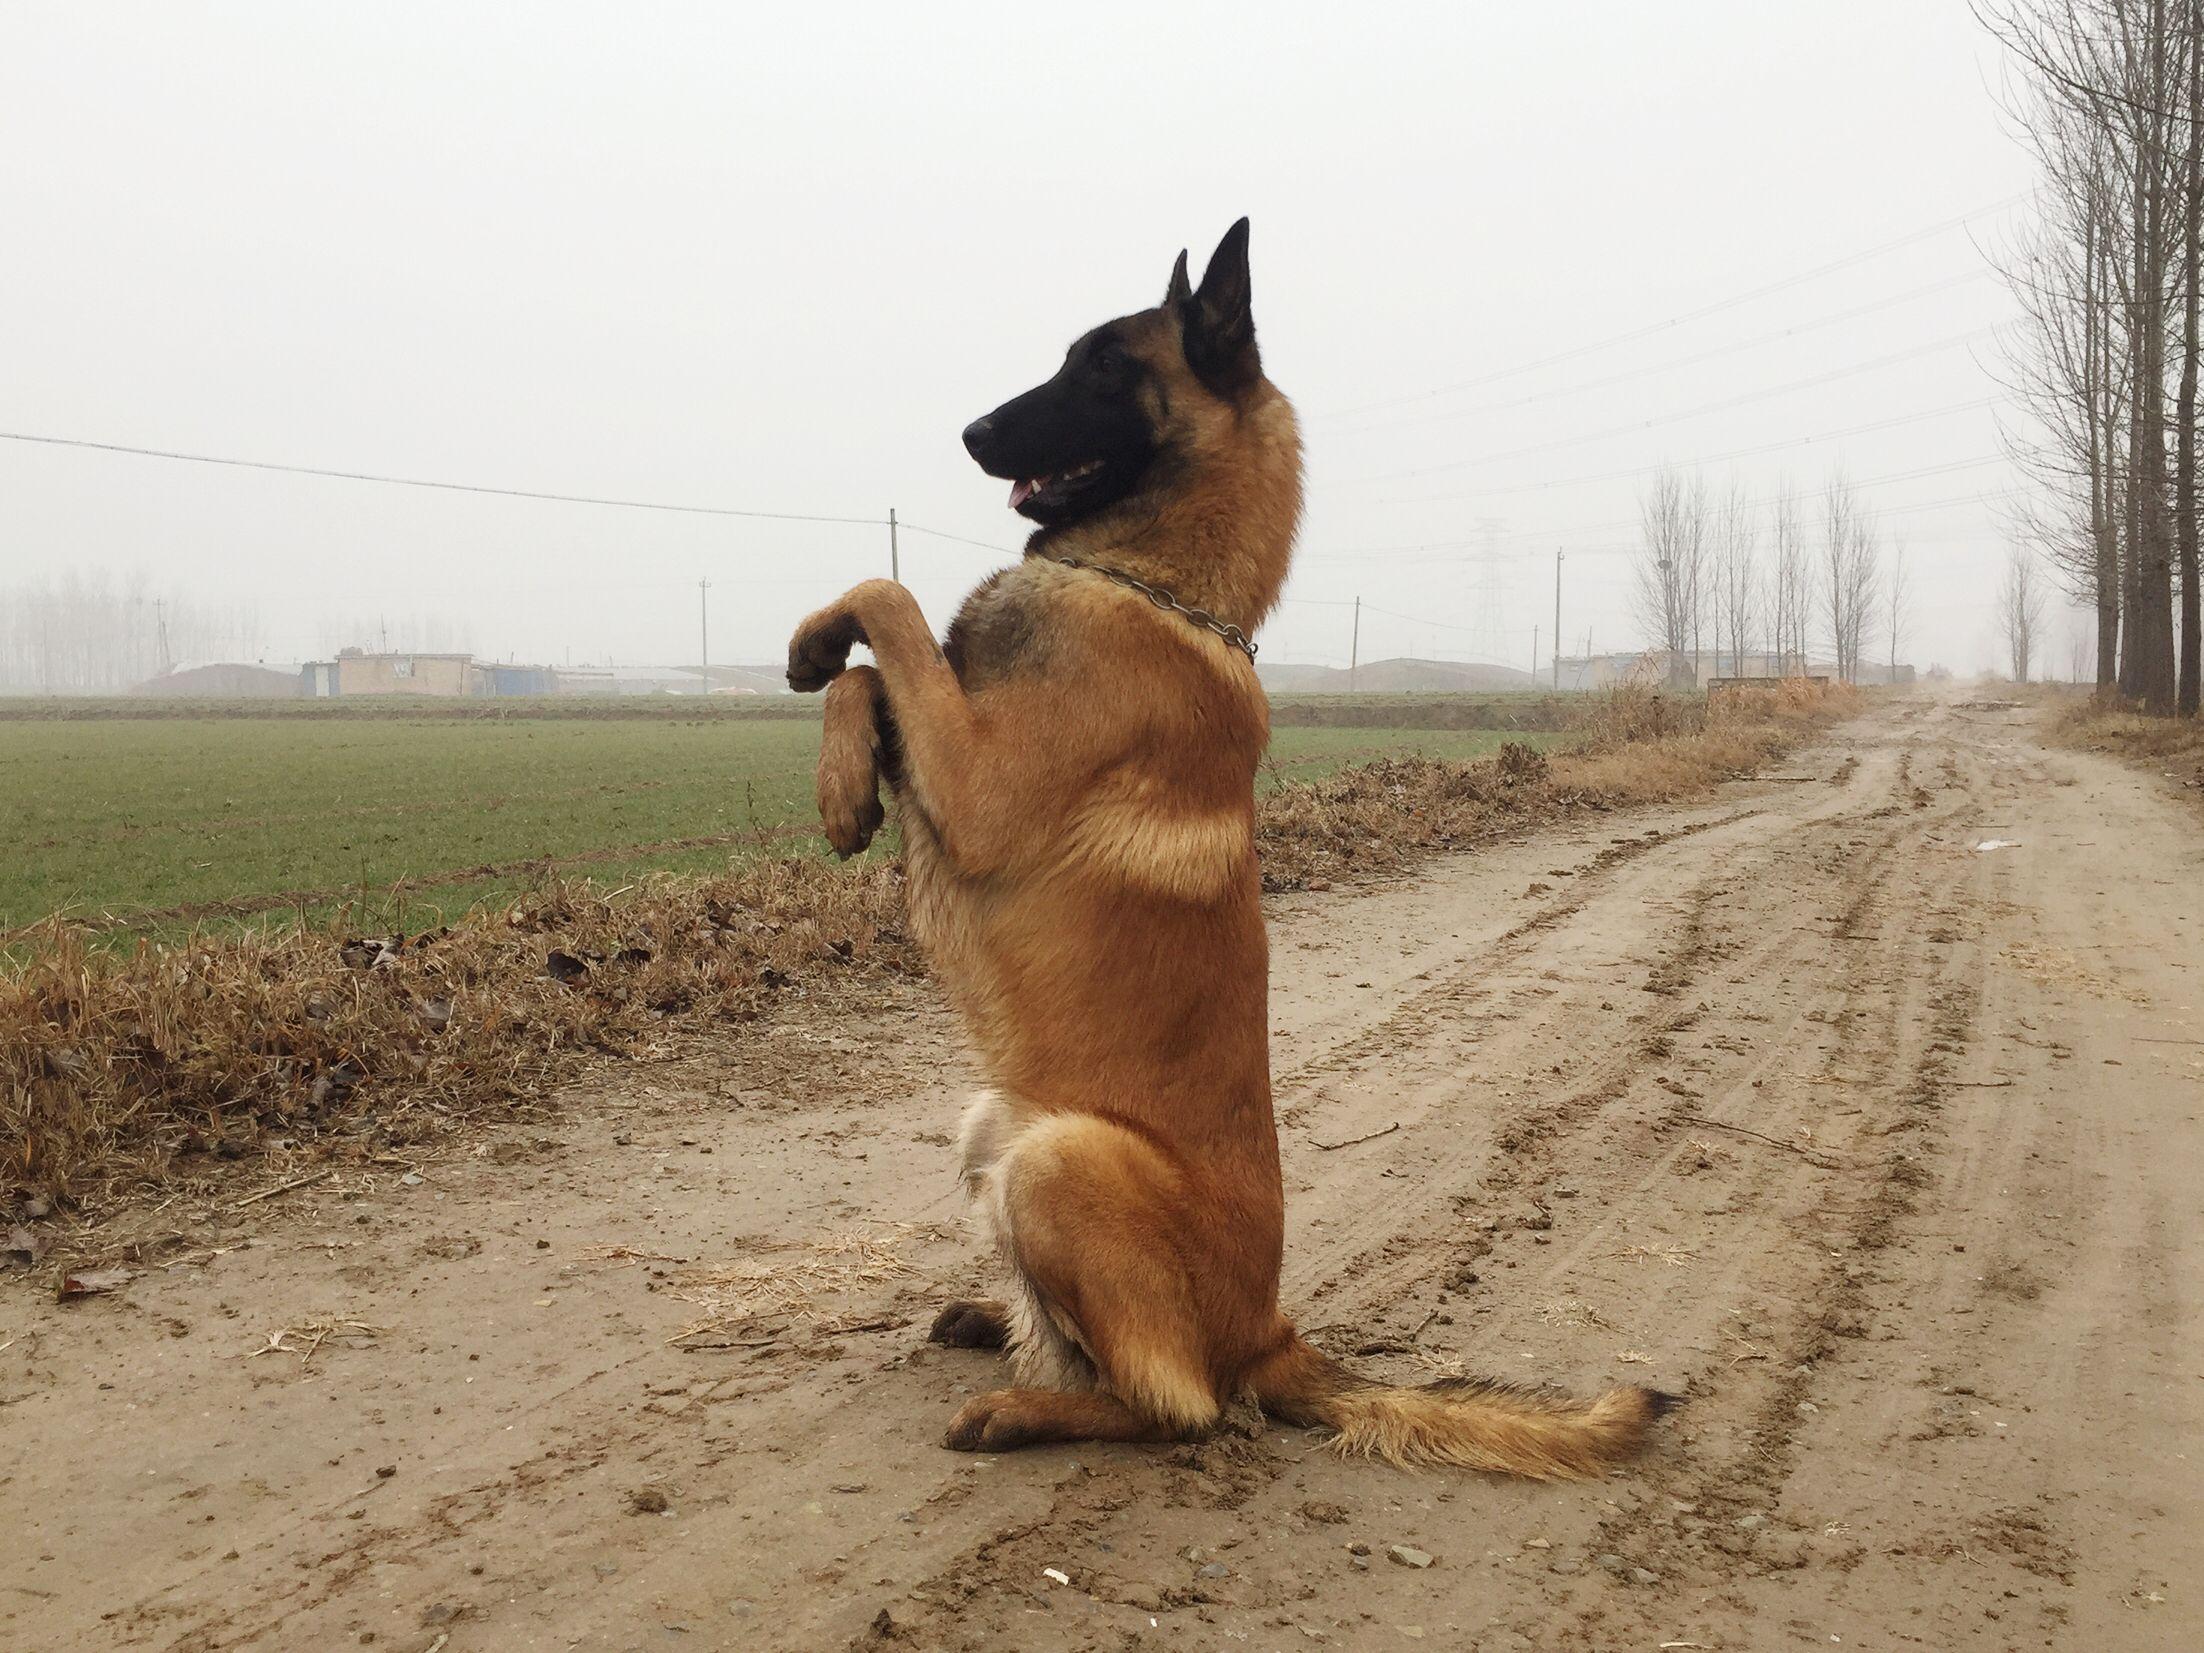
(154,823)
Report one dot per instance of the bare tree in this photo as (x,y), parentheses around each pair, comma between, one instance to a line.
(1736,581)
(2069,363)
(1670,571)
(1790,580)
(2185,504)
(1895,597)
(1698,577)
(2020,610)
(1848,579)
(2113,104)
(2081,647)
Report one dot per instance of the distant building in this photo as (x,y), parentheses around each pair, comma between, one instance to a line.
(357,672)
(1651,667)
(627,680)
(519,680)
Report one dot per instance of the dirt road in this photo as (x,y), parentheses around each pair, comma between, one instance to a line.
(1884,1151)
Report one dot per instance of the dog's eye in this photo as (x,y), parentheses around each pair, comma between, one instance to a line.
(1112,359)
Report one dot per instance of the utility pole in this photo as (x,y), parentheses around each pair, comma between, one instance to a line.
(895,558)
(1354,649)
(704,634)
(1557,620)
(160,623)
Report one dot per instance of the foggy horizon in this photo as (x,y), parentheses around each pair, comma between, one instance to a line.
(1505,266)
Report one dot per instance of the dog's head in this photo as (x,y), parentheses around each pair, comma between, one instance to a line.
(1132,400)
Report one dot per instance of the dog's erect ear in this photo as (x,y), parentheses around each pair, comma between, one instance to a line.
(1218,319)
(1177,295)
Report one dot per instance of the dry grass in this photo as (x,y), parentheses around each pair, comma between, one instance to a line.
(793,1283)
(123,1074)
(1637,746)
(2175,744)
(1573,1313)
(306,1338)
(117,1073)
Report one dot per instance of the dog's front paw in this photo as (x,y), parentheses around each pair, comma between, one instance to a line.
(988,1423)
(850,751)
(849,830)
(820,649)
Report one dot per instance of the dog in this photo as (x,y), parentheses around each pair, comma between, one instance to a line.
(1074,774)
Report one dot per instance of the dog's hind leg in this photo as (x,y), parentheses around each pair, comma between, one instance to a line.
(1085,1211)
(991,1123)
(1010,1418)
(972,1323)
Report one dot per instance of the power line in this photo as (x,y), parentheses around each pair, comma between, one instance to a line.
(443,487)
(910,527)
(1416,619)
(1879,362)
(1947,503)
(1695,315)
(1776,337)
(1875,513)
(1540,538)
(492,491)
(1707,459)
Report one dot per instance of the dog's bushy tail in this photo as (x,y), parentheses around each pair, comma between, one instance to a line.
(1464,1423)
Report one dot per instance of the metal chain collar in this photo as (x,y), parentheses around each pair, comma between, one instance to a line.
(1163,599)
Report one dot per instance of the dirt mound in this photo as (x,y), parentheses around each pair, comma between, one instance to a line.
(222,682)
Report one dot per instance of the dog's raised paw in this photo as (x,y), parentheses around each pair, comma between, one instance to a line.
(849,829)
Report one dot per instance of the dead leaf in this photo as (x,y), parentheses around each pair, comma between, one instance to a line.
(23,1246)
(372,952)
(91,1283)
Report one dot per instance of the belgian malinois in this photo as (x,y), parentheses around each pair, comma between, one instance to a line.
(1074,771)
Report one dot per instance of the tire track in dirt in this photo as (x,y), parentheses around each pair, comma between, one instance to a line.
(1797,1357)
(1534,1141)
(1732,1512)
(1450,994)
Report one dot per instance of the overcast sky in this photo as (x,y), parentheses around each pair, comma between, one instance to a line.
(775,258)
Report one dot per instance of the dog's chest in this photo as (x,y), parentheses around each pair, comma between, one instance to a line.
(1001,629)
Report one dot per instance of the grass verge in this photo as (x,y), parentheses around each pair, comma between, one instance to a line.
(2175,745)
(1636,746)
(122,1074)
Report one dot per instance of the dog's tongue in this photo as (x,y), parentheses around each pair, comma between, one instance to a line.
(1021,491)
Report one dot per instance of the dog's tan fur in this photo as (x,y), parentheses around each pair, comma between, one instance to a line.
(1075,782)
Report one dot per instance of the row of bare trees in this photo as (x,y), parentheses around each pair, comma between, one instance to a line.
(1704,593)
(2110,96)
(89,634)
